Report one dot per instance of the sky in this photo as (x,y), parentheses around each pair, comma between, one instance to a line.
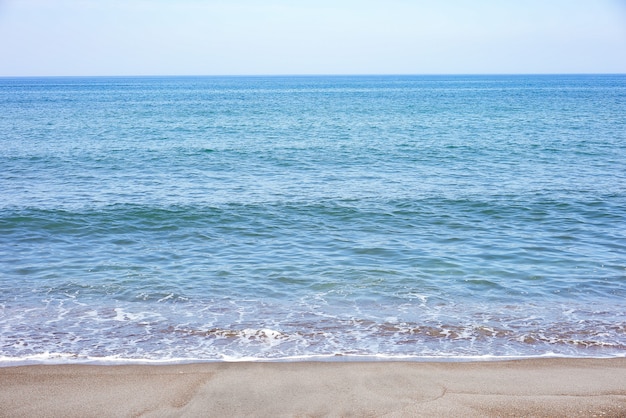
(247,37)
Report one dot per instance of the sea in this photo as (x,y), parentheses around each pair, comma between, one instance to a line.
(290,218)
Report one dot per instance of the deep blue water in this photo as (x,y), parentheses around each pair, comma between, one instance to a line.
(221,218)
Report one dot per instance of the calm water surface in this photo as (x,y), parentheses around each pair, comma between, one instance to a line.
(225,218)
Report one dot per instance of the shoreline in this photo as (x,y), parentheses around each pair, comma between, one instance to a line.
(526,387)
(331,358)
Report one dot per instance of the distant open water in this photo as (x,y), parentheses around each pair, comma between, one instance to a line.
(228,218)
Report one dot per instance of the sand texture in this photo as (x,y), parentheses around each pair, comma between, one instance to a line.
(541,387)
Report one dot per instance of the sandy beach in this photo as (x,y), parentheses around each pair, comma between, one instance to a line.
(538,387)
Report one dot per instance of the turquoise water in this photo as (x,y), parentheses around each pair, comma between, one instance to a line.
(225,218)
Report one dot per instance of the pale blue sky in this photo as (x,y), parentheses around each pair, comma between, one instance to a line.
(215,37)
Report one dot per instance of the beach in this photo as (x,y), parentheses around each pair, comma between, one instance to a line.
(385,245)
(533,387)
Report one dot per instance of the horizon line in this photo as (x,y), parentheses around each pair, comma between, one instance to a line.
(314,75)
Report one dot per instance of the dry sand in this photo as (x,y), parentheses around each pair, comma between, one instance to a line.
(540,387)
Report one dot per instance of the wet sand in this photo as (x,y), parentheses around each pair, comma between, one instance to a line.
(538,387)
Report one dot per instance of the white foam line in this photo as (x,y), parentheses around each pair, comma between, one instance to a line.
(63,358)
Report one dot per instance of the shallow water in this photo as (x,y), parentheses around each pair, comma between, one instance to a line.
(224,218)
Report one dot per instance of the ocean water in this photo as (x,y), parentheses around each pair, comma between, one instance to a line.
(175,219)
